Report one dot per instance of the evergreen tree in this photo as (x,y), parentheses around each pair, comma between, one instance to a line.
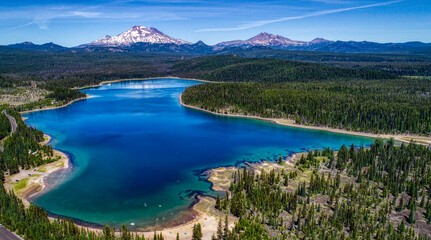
(218,205)
(226,228)
(197,232)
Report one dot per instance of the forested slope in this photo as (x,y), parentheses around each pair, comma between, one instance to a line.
(390,106)
(4,126)
(381,192)
(311,94)
(232,68)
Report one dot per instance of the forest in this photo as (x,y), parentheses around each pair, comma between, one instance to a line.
(232,68)
(377,106)
(22,149)
(399,64)
(4,126)
(380,192)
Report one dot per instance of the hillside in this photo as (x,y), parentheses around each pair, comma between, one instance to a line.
(378,106)
(232,68)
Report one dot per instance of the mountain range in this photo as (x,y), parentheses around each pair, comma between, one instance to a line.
(143,39)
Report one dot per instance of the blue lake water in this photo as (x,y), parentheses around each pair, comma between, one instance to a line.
(138,154)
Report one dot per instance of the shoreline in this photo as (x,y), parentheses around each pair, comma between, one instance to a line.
(107,82)
(406,138)
(199,211)
(56,107)
(143,79)
(34,178)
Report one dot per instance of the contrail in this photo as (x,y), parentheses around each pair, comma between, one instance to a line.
(314,14)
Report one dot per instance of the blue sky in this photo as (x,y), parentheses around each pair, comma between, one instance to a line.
(71,23)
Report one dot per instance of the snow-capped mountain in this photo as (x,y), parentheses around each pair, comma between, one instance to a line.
(270,40)
(137,34)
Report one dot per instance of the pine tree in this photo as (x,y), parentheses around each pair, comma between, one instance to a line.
(125,233)
(412,213)
(402,227)
(197,232)
(219,230)
(280,160)
(226,229)
(428,211)
(218,205)
(107,234)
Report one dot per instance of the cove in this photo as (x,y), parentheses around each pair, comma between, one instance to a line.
(138,155)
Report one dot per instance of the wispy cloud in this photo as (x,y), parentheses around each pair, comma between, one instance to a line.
(42,19)
(42,16)
(313,14)
(332,1)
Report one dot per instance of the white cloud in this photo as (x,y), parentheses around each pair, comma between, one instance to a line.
(313,14)
(43,17)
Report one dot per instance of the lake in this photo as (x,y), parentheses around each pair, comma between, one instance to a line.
(138,155)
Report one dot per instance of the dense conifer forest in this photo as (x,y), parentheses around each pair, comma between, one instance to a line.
(4,126)
(366,102)
(399,64)
(232,68)
(22,149)
(396,106)
(381,192)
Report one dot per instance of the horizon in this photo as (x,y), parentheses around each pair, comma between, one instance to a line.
(71,23)
(334,40)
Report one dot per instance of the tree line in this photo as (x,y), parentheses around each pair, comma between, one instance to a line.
(355,193)
(379,106)
(4,125)
(232,68)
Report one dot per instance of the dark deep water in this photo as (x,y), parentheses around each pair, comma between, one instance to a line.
(137,153)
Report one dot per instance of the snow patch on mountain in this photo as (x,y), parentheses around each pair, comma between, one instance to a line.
(137,34)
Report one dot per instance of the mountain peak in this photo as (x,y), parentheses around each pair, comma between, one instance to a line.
(138,27)
(200,43)
(27,43)
(319,40)
(266,40)
(137,34)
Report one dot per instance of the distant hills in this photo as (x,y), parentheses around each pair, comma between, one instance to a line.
(143,39)
(275,41)
(43,47)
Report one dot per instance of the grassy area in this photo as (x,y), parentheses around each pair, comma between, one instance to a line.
(20,185)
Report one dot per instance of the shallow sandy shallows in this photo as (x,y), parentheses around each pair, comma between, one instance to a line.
(29,182)
(208,217)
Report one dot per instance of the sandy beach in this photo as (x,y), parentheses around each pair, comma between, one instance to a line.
(56,107)
(29,182)
(291,123)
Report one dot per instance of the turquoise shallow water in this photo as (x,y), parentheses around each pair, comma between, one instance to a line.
(138,154)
